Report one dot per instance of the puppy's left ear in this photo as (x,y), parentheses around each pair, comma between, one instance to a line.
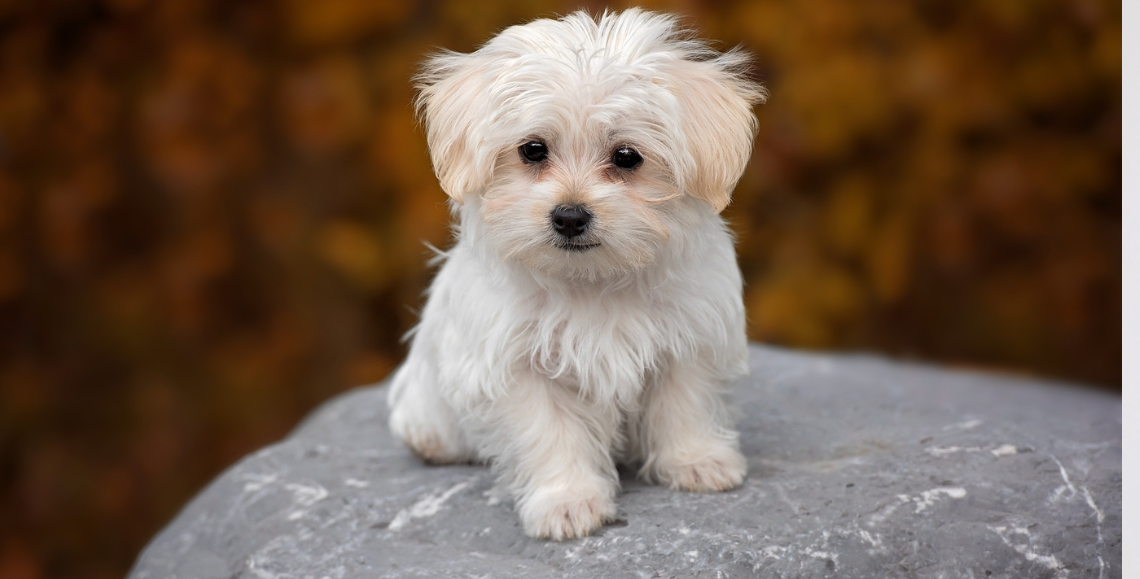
(717,97)
(450,102)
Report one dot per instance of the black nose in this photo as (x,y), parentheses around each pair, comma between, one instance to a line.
(570,221)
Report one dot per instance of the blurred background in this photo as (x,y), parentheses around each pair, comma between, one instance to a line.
(212,216)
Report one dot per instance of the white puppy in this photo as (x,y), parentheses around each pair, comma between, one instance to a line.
(590,311)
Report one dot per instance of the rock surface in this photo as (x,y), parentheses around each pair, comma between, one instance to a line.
(859,467)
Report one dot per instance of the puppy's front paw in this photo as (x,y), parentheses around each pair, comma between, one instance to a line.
(565,513)
(432,448)
(432,441)
(721,469)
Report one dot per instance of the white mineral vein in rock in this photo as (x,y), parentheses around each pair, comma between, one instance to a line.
(1099,534)
(964,425)
(931,496)
(773,551)
(1026,550)
(256,482)
(887,511)
(304,497)
(1066,491)
(425,507)
(307,496)
(1092,505)
(875,540)
(820,554)
(1004,450)
(945,450)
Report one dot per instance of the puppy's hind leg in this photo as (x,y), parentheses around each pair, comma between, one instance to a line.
(422,419)
(684,434)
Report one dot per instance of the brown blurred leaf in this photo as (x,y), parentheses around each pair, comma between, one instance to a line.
(338,21)
(889,259)
(848,216)
(325,106)
(354,252)
(18,560)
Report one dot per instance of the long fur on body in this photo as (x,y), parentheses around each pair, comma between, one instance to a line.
(552,357)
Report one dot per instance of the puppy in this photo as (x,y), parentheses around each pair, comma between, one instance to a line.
(590,310)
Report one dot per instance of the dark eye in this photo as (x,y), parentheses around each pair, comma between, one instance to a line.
(626,158)
(533,151)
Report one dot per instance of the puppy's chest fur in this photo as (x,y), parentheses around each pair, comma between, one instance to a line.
(604,345)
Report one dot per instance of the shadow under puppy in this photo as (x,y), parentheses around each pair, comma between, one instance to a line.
(590,310)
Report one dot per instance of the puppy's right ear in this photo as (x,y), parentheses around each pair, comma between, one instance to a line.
(451,103)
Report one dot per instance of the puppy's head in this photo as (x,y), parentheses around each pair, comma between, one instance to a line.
(580,146)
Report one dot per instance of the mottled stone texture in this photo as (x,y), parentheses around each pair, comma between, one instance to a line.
(859,467)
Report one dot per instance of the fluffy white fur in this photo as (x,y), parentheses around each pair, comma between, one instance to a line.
(553,364)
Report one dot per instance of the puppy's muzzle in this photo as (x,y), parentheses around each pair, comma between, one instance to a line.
(570,222)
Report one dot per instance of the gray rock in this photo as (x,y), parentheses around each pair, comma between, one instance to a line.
(859,467)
